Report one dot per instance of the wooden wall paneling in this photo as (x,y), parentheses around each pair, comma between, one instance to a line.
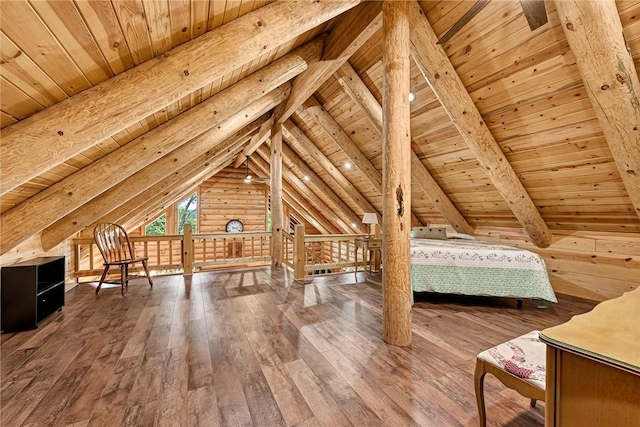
(79,188)
(294,162)
(101,19)
(293,132)
(158,18)
(180,12)
(439,72)
(64,21)
(22,26)
(21,106)
(6,119)
(22,72)
(199,150)
(131,15)
(157,83)
(356,88)
(595,35)
(349,33)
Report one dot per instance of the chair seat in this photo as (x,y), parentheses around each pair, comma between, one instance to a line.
(126,261)
(523,357)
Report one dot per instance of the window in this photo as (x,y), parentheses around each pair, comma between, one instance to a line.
(157,227)
(187,213)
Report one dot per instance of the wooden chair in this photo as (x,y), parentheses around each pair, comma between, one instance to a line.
(519,364)
(115,247)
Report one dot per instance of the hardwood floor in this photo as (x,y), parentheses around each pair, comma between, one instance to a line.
(249,347)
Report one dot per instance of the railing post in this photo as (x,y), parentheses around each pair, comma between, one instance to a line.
(299,255)
(187,251)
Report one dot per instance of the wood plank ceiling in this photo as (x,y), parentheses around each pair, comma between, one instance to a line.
(525,84)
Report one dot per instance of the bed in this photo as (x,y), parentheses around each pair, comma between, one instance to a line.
(472,267)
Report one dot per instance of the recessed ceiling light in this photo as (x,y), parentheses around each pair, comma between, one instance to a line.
(353,224)
(347,165)
(412,96)
(306,178)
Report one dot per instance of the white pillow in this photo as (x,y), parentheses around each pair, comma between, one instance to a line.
(429,233)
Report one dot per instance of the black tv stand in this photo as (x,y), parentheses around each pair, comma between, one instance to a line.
(31,291)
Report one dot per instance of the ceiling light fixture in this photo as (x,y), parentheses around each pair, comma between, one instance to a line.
(306,178)
(412,96)
(347,165)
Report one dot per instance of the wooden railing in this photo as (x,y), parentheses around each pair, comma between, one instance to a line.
(188,252)
(306,255)
(322,254)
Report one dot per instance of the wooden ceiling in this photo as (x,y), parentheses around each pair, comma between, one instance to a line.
(525,84)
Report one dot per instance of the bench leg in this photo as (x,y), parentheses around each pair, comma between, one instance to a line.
(479,386)
(533,403)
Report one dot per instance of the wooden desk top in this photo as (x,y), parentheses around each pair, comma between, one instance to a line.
(609,333)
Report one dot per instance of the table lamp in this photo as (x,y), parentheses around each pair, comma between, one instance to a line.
(370,218)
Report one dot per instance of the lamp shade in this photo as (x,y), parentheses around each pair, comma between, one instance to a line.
(370,218)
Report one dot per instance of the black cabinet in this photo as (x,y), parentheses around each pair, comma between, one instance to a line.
(30,291)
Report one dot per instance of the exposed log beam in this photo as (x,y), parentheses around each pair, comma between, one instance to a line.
(293,132)
(196,152)
(71,126)
(60,199)
(256,140)
(358,91)
(277,220)
(308,194)
(594,33)
(396,188)
(144,206)
(446,84)
(298,203)
(464,20)
(536,13)
(346,144)
(350,32)
(315,181)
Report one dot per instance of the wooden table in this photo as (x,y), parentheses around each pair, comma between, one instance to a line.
(593,366)
(371,252)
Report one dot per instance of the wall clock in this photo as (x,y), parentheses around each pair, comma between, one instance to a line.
(234,226)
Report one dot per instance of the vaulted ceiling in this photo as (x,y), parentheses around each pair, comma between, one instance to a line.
(111,109)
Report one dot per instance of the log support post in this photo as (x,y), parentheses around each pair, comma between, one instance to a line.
(276,196)
(187,251)
(299,256)
(396,181)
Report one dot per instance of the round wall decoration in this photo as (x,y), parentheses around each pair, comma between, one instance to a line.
(234,226)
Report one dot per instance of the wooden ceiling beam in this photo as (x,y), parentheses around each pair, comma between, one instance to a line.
(595,35)
(293,197)
(297,202)
(456,101)
(346,144)
(256,141)
(293,132)
(204,148)
(312,197)
(73,125)
(60,199)
(359,92)
(295,162)
(351,31)
(143,207)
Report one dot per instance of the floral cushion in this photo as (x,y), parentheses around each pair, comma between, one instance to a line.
(524,357)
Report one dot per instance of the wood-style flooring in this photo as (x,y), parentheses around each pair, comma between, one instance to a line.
(252,347)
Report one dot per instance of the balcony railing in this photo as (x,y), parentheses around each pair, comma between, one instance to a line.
(305,254)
